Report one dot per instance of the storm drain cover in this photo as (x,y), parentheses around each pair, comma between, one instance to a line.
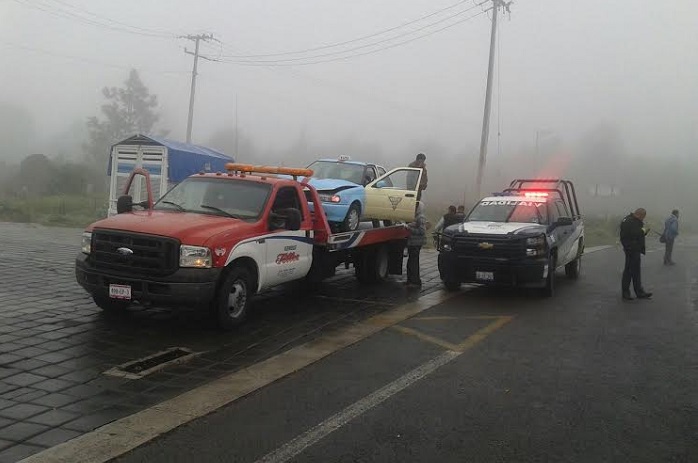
(142,367)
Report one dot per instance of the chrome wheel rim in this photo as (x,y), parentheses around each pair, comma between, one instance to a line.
(237,299)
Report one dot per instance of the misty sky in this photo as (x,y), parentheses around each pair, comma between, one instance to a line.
(564,66)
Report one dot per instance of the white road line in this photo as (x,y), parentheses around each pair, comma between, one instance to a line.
(297,445)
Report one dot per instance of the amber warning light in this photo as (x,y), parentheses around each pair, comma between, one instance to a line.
(249,168)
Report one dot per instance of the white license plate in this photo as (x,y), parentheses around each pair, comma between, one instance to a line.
(484,276)
(120,292)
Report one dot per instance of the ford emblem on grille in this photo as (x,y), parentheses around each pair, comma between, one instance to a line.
(485,245)
(124,251)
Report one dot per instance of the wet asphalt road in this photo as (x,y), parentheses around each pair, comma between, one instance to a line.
(581,377)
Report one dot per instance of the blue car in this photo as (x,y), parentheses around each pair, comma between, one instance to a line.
(340,184)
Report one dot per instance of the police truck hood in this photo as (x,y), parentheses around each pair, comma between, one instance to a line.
(187,227)
(497,228)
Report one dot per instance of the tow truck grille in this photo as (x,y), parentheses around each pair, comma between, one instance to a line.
(134,254)
(496,247)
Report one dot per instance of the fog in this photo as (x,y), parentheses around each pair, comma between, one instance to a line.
(600,92)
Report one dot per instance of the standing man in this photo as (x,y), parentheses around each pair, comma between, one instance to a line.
(419,162)
(417,239)
(448,219)
(632,237)
(671,231)
(460,214)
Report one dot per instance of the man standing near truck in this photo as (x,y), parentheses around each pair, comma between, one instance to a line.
(632,237)
(420,162)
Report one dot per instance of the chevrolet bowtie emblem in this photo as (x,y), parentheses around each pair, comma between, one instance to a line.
(485,245)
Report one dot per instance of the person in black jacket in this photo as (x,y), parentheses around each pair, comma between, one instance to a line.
(632,237)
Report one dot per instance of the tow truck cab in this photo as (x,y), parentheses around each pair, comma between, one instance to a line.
(518,237)
(216,239)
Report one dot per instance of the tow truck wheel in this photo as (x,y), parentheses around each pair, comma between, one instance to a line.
(111,306)
(372,266)
(232,301)
(353,218)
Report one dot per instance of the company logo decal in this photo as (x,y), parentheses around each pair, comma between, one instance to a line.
(220,252)
(287,257)
(395,200)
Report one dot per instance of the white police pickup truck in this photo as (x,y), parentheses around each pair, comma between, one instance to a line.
(518,237)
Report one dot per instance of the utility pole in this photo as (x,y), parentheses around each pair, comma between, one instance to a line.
(196,39)
(488,96)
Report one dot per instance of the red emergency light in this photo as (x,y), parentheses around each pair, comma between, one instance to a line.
(536,194)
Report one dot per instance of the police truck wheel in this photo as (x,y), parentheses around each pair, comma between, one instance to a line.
(573,269)
(353,218)
(452,285)
(549,288)
(111,306)
(229,307)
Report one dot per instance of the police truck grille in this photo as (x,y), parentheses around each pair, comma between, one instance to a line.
(134,253)
(496,247)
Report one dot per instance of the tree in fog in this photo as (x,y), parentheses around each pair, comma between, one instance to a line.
(129,110)
(16,132)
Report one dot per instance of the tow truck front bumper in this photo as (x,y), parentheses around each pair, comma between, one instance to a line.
(186,288)
(529,272)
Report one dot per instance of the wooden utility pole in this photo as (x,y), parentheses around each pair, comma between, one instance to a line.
(196,39)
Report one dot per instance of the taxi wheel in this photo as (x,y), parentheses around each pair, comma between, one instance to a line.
(229,307)
(353,218)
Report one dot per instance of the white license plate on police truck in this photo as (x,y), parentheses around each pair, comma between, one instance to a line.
(484,276)
(120,292)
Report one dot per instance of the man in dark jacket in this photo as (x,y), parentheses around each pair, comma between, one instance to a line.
(632,237)
(420,162)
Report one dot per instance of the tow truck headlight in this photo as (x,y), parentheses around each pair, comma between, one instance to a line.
(445,243)
(87,242)
(535,246)
(194,257)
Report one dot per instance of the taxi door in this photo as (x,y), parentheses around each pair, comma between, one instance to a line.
(393,196)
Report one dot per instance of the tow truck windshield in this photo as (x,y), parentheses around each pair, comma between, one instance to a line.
(230,198)
(509,211)
(338,171)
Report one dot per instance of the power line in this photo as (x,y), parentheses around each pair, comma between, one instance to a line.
(358,39)
(71,16)
(355,55)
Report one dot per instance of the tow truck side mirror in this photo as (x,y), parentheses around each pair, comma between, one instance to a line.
(124,204)
(286,219)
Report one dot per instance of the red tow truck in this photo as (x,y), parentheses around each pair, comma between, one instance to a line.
(216,239)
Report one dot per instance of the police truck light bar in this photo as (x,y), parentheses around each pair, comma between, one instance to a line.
(249,168)
(536,194)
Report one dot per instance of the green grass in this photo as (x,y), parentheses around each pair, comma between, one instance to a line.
(58,211)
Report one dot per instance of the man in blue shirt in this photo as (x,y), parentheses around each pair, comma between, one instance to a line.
(671,231)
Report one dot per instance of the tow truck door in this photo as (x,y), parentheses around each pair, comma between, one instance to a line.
(393,196)
(288,252)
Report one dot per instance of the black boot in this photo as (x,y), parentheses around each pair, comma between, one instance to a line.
(627,296)
(644,295)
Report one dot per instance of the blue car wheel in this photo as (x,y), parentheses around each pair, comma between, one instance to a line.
(353,218)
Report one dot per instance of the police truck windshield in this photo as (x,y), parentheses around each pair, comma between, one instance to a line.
(338,171)
(231,198)
(509,211)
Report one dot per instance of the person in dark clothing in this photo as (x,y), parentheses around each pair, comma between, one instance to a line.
(417,239)
(671,231)
(448,219)
(632,237)
(460,214)
(420,162)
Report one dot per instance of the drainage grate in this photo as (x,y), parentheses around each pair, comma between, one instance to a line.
(145,366)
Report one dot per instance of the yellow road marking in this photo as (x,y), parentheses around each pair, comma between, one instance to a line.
(463,346)
(425,337)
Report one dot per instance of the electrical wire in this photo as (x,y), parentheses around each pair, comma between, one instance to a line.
(358,39)
(69,15)
(355,55)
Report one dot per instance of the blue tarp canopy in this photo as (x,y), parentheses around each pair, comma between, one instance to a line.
(184,159)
